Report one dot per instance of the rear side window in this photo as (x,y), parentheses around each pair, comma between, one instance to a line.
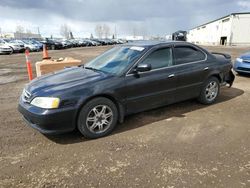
(186,54)
(159,58)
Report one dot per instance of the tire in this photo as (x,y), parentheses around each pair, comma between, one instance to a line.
(12,50)
(210,91)
(92,123)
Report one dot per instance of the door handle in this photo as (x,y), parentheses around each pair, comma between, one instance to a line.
(171,76)
(206,68)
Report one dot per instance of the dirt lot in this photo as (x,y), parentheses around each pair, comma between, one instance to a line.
(182,145)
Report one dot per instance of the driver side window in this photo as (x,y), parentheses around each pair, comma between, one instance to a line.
(160,58)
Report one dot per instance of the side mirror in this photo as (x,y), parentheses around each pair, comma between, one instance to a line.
(143,68)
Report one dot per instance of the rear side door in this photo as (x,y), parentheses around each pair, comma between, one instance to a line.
(154,88)
(192,65)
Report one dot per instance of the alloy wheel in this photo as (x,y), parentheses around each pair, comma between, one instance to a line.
(99,119)
(211,91)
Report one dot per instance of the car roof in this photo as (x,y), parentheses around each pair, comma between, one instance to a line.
(151,43)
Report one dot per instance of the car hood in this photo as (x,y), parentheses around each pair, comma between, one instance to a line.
(4,46)
(64,79)
(245,55)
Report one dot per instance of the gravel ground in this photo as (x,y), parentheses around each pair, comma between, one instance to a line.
(181,145)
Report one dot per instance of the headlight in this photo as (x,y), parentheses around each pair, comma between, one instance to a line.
(46,102)
(239,60)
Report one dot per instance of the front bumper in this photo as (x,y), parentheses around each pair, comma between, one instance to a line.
(46,121)
(17,49)
(241,67)
(5,51)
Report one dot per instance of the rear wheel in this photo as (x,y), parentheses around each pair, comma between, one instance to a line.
(210,91)
(97,118)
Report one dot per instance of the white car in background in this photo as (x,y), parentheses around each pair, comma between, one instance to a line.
(16,47)
(5,49)
(27,45)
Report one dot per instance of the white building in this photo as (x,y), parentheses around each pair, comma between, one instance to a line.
(134,37)
(17,35)
(233,29)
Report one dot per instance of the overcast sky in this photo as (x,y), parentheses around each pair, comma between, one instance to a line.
(143,17)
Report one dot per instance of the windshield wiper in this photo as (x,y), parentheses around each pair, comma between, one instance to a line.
(94,69)
(97,70)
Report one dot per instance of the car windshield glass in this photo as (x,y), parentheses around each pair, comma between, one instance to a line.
(115,60)
(27,42)
(17,41)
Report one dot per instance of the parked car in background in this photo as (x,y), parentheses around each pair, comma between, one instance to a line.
(27,45)
(52,44)
(82,43)
(66,44)
(5,49)
(242,64)
(32,46)
(37,43)
(124,80)
(16,47)
(102,42)
(88,42)
(94,43)
(179,36)
(118,41)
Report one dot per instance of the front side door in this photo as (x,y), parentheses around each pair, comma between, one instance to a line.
(147,90)
(191,65)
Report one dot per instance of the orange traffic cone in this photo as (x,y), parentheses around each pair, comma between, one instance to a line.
(45,52)
(29,69)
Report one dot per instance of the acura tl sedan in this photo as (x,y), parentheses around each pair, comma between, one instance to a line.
(124,80)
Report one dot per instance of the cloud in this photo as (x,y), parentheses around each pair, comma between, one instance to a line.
(152,17)
(244,4)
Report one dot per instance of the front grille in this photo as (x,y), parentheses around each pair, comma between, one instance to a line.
(243,69)
(26,96)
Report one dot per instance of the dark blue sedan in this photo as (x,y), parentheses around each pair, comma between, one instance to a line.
(242,64)
(124,80)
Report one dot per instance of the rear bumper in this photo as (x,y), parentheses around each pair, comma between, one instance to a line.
(48,121)
(229,78)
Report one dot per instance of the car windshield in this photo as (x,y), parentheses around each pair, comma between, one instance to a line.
(17,41)
(34,42)
(115,60)
(27,42)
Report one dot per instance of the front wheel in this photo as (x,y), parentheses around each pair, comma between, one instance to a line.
(97,118)
(28,49)
(210,91)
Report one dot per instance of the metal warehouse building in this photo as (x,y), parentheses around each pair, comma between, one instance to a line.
(233,29)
